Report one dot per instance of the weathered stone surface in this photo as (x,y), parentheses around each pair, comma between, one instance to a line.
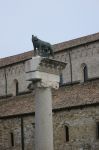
(75,105)
(82,129)
(81,123)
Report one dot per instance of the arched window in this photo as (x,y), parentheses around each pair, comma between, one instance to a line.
(16,87)
(84,72)
(66,133)
(12,139)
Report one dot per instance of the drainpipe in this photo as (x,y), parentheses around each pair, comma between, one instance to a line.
(71,76)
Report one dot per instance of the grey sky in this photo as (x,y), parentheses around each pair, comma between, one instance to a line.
(51,20)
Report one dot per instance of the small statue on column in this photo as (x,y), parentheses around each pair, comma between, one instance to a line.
(42,48)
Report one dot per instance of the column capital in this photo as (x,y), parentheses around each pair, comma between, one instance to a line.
(44,71)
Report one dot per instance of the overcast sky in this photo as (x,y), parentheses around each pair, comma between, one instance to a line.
(53,21)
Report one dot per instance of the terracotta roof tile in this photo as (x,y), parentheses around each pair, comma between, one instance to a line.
(15,58)
(76,42)
(66,96)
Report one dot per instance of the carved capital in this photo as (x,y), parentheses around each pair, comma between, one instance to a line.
(44,72)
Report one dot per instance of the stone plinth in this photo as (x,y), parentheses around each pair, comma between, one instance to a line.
(44,74)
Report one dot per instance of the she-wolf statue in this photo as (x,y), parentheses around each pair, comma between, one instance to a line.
(42,48)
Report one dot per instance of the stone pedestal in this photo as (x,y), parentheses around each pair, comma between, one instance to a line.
(44,74)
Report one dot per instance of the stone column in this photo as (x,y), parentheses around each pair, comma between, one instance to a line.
(44,74)
(43,119)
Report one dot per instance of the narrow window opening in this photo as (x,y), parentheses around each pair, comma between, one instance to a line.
(67,133)
(85,72)
(12,139)
(97,130)
(17,88)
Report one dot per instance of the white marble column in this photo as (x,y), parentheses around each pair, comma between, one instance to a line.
(43,119)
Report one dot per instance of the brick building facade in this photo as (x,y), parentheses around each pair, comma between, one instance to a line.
(75,104)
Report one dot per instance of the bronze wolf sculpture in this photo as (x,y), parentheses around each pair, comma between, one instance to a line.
(42,48)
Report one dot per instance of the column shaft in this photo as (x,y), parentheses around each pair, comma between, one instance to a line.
(43,119)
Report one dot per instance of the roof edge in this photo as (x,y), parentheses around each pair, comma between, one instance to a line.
(76,42)
(57,48)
